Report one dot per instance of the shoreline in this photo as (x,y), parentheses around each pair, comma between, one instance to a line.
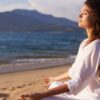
(36,69)
(17,83)
(19,65)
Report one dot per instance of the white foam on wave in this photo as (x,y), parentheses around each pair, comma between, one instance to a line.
(30,64)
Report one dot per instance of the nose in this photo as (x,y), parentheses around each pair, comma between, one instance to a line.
(80,16)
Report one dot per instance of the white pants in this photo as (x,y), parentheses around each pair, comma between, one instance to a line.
(84,95)
(63,96)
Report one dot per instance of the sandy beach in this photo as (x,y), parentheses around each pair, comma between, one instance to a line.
(14,84)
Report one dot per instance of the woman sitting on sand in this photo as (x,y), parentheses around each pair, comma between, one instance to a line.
(84,82)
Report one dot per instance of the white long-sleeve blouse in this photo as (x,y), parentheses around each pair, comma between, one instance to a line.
(85,72)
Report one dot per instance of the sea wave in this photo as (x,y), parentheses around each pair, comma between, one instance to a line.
(31,64)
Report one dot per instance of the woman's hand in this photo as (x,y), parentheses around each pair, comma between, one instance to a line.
(61,77)
(36,96)
(23,97)
(49,80)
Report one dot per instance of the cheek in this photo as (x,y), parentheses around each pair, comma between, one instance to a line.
(86,22)
(90,20)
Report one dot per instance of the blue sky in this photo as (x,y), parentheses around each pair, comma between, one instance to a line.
(60,8)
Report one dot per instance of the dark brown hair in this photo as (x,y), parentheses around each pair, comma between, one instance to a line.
(94,5)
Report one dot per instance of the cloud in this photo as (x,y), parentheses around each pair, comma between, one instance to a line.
(62,8)
(10,7)
(34,5)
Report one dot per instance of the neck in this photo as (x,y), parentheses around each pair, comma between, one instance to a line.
(89,33)
(91,36)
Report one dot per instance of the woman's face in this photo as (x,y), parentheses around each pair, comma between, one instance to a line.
(85,17)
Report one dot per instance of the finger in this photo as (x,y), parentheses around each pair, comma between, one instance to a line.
(21,98)
(46,79)
(47,84)
(26,95)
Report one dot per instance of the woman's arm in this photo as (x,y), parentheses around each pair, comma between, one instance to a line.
(63,76)
(54,91)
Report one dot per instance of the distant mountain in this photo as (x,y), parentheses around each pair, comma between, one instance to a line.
(27,20)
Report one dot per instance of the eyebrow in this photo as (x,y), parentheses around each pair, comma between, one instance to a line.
(86,11)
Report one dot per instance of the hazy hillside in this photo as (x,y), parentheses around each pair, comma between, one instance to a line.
(26,20)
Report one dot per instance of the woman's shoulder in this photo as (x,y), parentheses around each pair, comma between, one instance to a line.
(83,42)
(94,46)
(95,43)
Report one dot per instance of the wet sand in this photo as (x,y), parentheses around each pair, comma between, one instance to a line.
(14,84)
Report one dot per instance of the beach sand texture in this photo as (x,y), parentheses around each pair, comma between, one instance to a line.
(14,84)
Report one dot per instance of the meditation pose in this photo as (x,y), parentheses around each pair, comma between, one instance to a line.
(83,78)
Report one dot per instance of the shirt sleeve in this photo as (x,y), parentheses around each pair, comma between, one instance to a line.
(85,72)
(71,70)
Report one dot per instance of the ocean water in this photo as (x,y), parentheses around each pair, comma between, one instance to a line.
(20,51)
(39,44)
(19,45)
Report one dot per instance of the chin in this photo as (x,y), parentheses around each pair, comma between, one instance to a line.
(80,25)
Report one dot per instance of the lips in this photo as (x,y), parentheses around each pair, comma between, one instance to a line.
(80,20)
